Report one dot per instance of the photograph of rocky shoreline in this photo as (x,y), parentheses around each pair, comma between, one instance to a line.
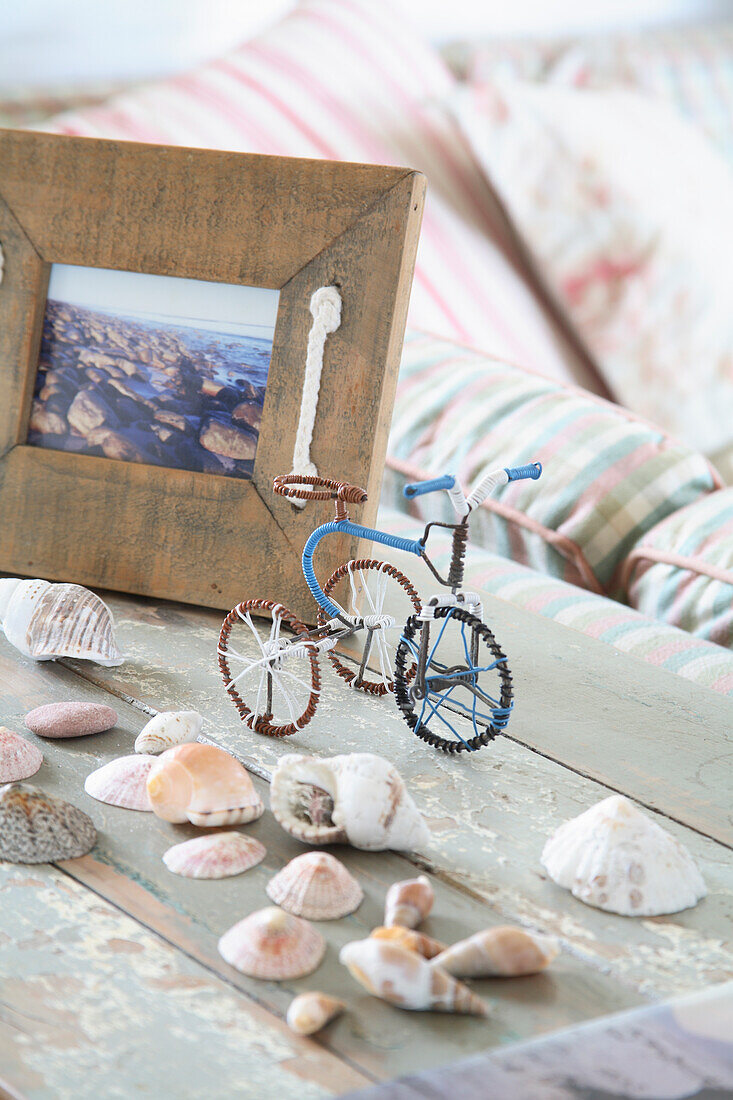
(149,384)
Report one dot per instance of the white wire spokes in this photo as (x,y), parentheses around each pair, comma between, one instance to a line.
(272,671)
(376,611)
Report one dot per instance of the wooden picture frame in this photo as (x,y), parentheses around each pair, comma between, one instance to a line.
(289,224)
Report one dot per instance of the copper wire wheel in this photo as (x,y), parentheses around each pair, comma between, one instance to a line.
(347,587)
(270,680)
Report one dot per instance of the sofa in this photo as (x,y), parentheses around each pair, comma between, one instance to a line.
(568,303)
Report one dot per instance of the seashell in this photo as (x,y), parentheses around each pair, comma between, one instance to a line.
(273,945)
(122,782)
(219,855)
(309,1012)
(167,729)
(46,621)
(358,799)
(316,886)
(37,828)
(412,940)
(616,858)
(204,785)
(502,952)
(70,719)
(408,902)
(394,974)
(19,759)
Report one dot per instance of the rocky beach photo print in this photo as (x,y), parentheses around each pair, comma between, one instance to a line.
(153,369)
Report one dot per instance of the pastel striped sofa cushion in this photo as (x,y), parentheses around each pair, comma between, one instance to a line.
(682,570)
(608,477)
(625,629)
(349,80)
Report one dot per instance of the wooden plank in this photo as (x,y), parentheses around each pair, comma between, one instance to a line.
(94,1005)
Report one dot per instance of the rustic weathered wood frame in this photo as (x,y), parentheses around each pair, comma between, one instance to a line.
(276,222)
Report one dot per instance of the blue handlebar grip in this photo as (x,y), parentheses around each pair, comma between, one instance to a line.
(517,473)
(418,488)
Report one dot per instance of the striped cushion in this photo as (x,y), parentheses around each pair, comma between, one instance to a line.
(608,476)
(621,627)
(347,79)
(682,570)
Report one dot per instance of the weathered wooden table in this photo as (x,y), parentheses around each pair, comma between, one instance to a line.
(110,981)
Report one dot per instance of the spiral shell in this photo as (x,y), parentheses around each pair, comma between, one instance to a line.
(410,939)
(219,855)
(273,945)
(317,886)
(168,729)
(46,621)
(204,785)
(502,952)
(406,980)
(35,827)
(310,1012)
(122,782)
(408,902)
(19,759)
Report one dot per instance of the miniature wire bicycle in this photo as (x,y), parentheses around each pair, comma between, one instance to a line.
(440,659)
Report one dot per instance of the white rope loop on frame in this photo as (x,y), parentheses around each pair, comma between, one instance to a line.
(2,262)
(325,307)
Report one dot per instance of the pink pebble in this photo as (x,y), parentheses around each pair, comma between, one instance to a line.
(70,719)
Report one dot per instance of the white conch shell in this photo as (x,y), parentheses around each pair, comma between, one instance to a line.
(45,621)
(408,902)
(504,952)
(202,784)
(412,940)
(358,799)
(273,945)
(391,972)
(168,729)
(219,855)
(309,1012)
(316,886)
(19,759)
(122,782)
(616,858)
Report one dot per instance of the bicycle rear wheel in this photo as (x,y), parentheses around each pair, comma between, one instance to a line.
(267,657)
(466,685)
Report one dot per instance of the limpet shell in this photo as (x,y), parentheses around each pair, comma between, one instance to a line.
(19,759)
(273,945)
(219,855)
(122,782)
(316,886)
(168,729)
(35,827)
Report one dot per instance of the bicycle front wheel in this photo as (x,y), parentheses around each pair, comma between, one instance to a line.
(462,686)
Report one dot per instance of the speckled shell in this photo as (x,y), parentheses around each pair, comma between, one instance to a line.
(614,857)
(202,784)
(501,952)
(391,972)
(19,759)
(358,799)
(122,782)
(219,855)
(45,621)
(37,828)
(310,1012)
(168,729)
(409,938)
(316,886)
(408,902)
(273,945)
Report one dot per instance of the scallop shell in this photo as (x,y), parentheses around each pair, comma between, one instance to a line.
(168,729)
(409,938)
(391,972)
(45,621)
(273,945)
(316,886)
(219,855)
(358,799)
(408,902)
(615,858)
(503,952)
(310,1012)
(204,785)
(19,759)
(122,782)
(37,828)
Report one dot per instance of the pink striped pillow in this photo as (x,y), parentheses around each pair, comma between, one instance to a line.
(347,79)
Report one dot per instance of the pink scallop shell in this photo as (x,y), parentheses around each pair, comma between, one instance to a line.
(122,782)
(219,855)
(19,759)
